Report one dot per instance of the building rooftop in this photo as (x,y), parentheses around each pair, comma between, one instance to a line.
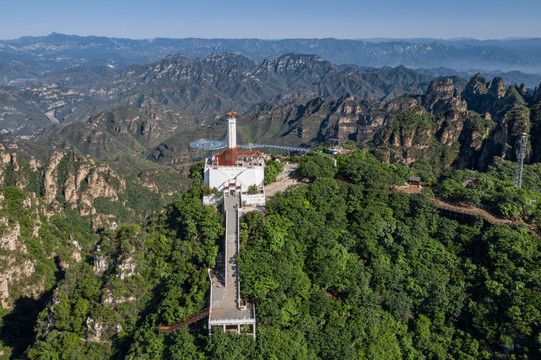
(234,157)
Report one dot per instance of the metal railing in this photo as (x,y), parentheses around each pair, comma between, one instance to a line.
(288,148)
(191,319)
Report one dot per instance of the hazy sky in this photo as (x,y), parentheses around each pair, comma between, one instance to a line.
(273,19)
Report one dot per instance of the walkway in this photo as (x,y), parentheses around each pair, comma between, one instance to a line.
(226,309)
(285,179)
(471,210)
(468,210)
(279,147)
(193,318)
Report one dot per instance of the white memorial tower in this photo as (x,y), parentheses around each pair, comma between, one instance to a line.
(231,129)
(235,171)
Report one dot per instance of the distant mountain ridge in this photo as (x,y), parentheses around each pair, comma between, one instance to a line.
(468,126)
(205,88)
(28,57)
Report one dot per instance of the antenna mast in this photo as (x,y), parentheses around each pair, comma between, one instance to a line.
(521,154)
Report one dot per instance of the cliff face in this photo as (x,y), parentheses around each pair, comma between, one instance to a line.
(78,182)
(441,128)
(442,96)
(408,136)
(536,96)
(17,269)
(444,133)
(491,97)
(317,121)
(458,136)
(65,181)
(31,253)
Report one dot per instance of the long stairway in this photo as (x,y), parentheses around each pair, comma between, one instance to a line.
(226,311)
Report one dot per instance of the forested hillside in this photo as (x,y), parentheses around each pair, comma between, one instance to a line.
(348,270)
(66,180)
(339,267)
(37,250)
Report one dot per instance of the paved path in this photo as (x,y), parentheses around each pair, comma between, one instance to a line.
(468,210)
(224,298)
(284,180)
(471,210)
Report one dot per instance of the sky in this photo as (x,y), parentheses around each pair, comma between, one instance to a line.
(272,19)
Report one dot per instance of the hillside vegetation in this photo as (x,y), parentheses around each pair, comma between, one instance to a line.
(103,237)
(338,267)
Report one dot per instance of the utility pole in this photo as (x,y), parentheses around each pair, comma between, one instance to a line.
(521,154)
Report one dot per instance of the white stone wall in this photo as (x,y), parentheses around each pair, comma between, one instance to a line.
(253,199)
(245,177)
(212,200)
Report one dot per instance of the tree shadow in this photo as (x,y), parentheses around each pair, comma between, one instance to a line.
(17,329)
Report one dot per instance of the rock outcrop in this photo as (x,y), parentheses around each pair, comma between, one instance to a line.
(536,96)
(16,266)
(442,96)
(65,180)
(492,97)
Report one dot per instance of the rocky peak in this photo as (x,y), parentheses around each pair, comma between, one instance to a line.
(5,160)
(496,88)
(230,60)
(101,261)
(476,86)
(442,96)
(537,94)
(50,177)
(347,104)
(291,66)
(522,90)
(493,97)
(443,89)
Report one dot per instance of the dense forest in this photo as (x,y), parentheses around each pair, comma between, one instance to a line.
(339,267)
(104,237)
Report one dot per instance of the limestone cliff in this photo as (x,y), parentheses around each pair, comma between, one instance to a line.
(442,96)
(442,127)
(317,121)
(491,97)
(536,96)
(435,141)
(26,249)
(65,180)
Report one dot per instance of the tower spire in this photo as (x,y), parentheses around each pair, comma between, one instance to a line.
(231,129)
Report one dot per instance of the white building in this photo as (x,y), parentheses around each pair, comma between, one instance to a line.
(235,171)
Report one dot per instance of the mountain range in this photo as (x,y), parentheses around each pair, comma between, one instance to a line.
(152,111)
(470,126)
(28,58)
(203,88)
